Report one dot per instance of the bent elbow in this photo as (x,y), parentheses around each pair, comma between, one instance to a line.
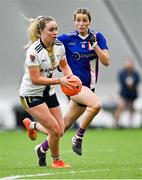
(34,81)
(107,63)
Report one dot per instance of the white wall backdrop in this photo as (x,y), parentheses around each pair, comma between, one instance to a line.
(13,37)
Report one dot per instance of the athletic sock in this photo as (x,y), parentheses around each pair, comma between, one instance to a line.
(44,146)
(33,125)
(80,133)
(55,158)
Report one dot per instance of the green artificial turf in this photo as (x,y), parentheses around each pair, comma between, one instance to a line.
(107,154)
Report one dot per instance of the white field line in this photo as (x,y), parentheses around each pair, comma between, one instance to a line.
(55,173)
(68,172)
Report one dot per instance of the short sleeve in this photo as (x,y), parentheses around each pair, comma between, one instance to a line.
(32,58)
(101,40)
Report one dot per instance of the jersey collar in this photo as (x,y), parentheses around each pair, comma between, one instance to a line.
(42,44)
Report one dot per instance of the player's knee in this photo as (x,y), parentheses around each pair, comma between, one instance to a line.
(59,132)
(96,107)
(55,132)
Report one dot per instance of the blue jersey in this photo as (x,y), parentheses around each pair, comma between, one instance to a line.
(81,58)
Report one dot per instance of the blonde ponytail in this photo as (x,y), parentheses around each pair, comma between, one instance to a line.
(36,26)
(33,31)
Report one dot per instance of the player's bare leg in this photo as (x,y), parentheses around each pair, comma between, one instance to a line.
(93,107)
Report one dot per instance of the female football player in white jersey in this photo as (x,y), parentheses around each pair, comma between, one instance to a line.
(85,48)
(37,92)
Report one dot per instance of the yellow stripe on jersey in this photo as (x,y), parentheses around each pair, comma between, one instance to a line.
(34,65)
(29,100)
(24,103)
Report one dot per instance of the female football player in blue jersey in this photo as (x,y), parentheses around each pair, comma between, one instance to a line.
(85,48)
(37,92)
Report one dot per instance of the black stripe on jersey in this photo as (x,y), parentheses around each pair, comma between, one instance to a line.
(42,44)
(58,43)
(38,48)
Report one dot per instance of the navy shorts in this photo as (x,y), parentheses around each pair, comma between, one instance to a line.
(31,101)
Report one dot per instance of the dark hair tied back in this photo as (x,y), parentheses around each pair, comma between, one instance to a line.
(82,11)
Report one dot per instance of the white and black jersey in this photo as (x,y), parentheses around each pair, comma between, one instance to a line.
(37,55)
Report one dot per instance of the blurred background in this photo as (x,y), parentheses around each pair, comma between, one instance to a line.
(119,21)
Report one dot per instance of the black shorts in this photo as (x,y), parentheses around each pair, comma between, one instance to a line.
(31,101)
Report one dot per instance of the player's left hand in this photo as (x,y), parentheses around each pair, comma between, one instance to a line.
(92,40)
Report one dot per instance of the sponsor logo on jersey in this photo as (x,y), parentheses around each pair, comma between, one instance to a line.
(78,56)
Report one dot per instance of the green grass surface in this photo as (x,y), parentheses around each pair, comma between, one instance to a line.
(107,154)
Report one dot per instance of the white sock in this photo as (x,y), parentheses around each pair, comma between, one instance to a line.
(33,125)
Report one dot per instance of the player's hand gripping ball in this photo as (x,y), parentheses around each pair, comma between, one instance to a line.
(73,88)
